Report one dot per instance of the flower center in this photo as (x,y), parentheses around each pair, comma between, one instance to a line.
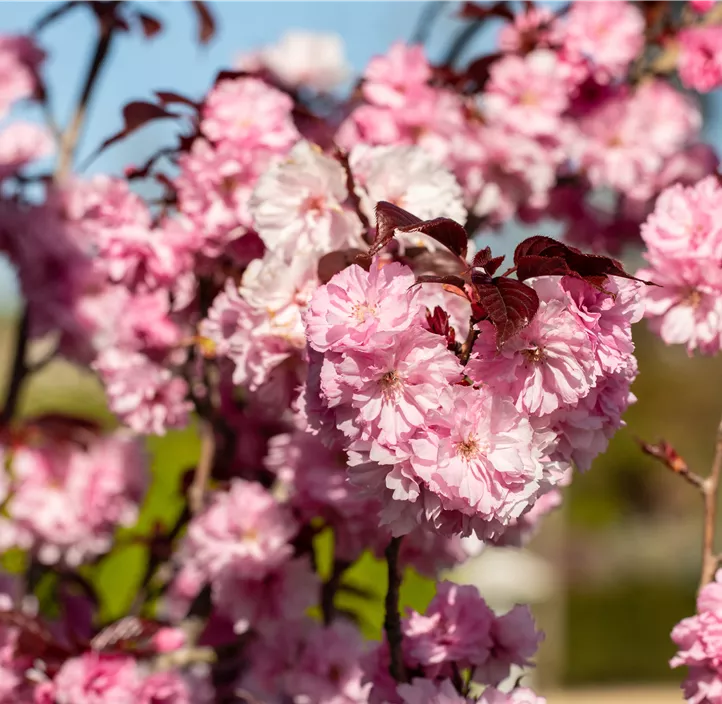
(361,310)
(470,448)
(314,204)
(390,384)
(692,299)
(534,354)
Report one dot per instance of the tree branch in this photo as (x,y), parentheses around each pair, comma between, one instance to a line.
(329,589)
(710,491)
(392,620)
(19,371)
(197,489)
(71,134)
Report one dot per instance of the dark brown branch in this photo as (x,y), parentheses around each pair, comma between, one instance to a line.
(468,345)
(329,589)
(392,619)
(71,135)
(710,490)
(18,373)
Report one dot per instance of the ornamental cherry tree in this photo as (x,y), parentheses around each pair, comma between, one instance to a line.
(314,291)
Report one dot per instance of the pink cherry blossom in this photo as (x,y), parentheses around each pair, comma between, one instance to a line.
(454,629)
(389,79)
(94,678)
(20,59)
(527,94)
(146,395)
(170,687)
(297,205)
(548,364)
(700,58)
(533,26)
(250,114)
(22,143)
(70,500)
(607,35)
(357,308)
(422,691)
(686,306)
(393,389)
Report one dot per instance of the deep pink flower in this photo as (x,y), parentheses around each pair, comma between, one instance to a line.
(702,6)
(359,308)
(534,24)
(170,687)
(548,364)
(70,500)
(700,58)
(527,94)
(248,113)
(455,629)
(94,678)
(521,695)
(20,59)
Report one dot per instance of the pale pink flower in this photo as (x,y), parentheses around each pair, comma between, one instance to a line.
(249,113)
(303,59)
(686,306)
(514,641)
(144,394)
(357,308)
(547,365)
(606,35)
(700,58)
(95,678)
(530,28)
(455,629)
(22,143)
(244,532)
(328,669)
(20,59)
(479,460)
(410,178)
(70,500)
(422,691)
(389,79)
(527,94)
(520,695)
(687,166)
(393,389)
(297,205)
(170,687)
(685,221)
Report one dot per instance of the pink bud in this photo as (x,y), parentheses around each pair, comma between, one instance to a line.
(701,5)
(166,640)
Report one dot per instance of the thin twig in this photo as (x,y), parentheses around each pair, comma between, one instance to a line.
(19,371)
(710,560)
(392,619)
(468,345)
(329,589)
(71,135)
(197,489)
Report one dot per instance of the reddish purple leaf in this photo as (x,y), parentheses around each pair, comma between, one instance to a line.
(151,26)
(136,115)
(130,633)
(389,218)
(206,23)
(449,280)
(330,264)
(34,639)
(166,97)
(484,260)
(543,256)
(439,324)
(477,72)
(472,11)
(508,304)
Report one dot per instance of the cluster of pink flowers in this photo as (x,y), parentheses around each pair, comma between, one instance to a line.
(306,286)
(700,647)
(684,250)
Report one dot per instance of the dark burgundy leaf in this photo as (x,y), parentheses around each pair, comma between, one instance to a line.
(484,260)
(543,256)
(439,324)
(449,280)
(34,638)
(330,264)
(389,218)
(206,23)
(151,26)
(440,262)
(136,115)
(445,231)
(478,71)
(508,304)
(166,97)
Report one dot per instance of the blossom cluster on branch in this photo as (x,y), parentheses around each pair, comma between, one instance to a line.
(314,290)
